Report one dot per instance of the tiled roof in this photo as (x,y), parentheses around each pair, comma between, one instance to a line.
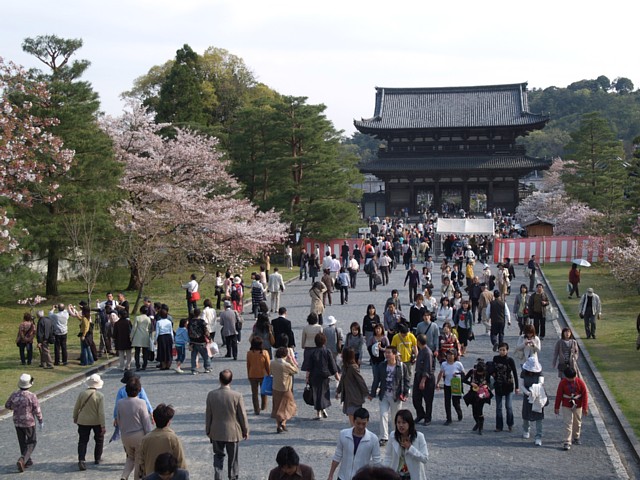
(451,107)
(455,164)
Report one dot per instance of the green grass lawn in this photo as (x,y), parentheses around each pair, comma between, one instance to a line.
(614,351)
(165,290)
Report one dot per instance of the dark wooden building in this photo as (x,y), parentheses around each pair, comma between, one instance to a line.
(451,148)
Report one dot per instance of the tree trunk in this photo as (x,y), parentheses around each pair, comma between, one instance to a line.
(138,299)
(134,277)
(53,261)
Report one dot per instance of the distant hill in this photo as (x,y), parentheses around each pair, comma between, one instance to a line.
(615,100)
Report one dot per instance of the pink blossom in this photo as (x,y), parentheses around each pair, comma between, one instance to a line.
(24,142)
(180,199)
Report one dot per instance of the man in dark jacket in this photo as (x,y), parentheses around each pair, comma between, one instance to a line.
(45,337)
(499,314)
(475,290)
(538,302)
(303,263)
(424,382)
(413,277)
(505,382)
(282,325)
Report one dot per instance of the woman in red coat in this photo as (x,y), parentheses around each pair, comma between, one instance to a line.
(574,280)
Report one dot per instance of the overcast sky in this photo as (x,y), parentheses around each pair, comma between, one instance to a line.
(336,52)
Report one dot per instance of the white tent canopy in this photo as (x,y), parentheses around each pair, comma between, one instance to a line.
(465,226)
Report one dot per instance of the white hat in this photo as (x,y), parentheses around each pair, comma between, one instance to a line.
(237,279)
(589,292)
(532,364)
(331,320)
(94,381)
(25,382)
(486,265)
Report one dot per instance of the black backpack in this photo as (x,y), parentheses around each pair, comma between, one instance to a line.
(368,267)
(196,330)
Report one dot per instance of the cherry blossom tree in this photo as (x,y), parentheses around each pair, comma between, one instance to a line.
(578,219)
(181,203)
(551,203)
(29,153)
(624,260)
(552,180)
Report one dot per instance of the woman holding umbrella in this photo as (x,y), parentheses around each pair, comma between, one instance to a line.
(574,280)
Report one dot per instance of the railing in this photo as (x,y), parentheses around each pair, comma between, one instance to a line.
(409,150)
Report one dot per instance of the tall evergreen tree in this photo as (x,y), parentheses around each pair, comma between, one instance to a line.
(182,97)
(596,173)
(202,92)
(90,185)
(256,147)
(289,157)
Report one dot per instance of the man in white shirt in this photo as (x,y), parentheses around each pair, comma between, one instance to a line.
(335,267)
(383,263)
(275,286)
(192,293)
(327,261)
(357,447)
(354,267)
(60,318)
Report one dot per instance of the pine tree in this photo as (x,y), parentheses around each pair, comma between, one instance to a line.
(90,185)
(596,173)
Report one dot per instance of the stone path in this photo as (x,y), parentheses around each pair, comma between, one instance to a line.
(454,451)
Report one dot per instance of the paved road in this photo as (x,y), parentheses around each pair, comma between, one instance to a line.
(454,450)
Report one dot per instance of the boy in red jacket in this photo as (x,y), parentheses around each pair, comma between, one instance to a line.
(572,393)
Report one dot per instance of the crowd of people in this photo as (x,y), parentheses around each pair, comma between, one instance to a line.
(412,353)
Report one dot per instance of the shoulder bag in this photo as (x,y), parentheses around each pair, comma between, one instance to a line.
(85,402)
(307,395)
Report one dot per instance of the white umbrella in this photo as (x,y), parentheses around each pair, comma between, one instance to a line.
(581,262)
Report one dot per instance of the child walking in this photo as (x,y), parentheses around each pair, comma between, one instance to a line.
(355,340)
(573,396)
(535,398)
(452,371)
(181,339)
(479,394)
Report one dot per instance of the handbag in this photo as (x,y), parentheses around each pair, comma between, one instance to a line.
(483,392)
(195,296)
(307,395)
(267,385)
(377,279)
(456,385)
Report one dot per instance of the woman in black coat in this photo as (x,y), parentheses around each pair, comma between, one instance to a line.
(321,366)
(122,339)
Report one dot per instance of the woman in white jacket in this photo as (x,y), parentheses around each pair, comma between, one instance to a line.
(407,452)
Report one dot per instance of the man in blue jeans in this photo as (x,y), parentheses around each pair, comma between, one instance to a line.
(198,339)
(505,378)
